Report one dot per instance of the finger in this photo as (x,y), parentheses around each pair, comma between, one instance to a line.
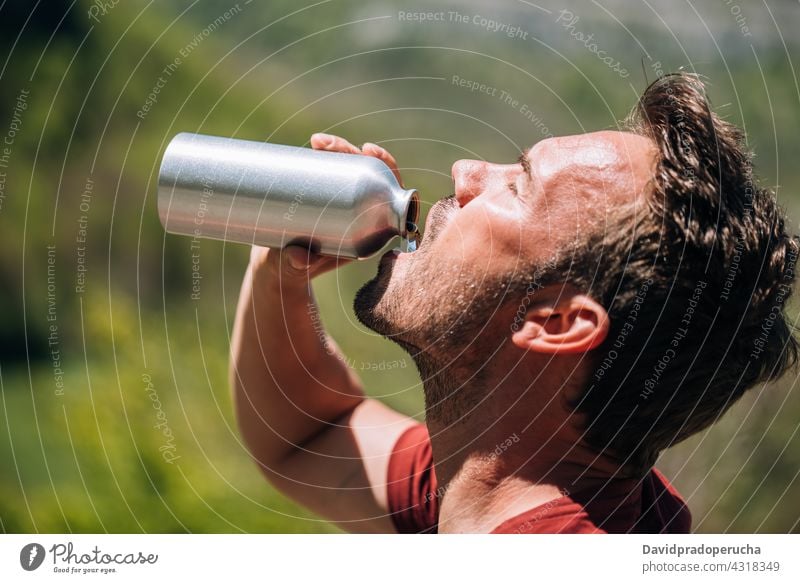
(326,264)
(289,264)
(332,143)
(377,151)
(258,255)
(298,261)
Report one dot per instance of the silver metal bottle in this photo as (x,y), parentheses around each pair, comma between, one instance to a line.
(271,195)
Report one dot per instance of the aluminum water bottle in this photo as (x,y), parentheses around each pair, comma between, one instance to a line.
(240,191)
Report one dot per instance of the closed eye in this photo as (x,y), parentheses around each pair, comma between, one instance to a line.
(524,162)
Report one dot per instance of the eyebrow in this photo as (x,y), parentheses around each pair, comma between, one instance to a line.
(523,160)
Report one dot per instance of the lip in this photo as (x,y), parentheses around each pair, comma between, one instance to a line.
(440,213)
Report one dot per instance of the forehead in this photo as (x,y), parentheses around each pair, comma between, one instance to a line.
(614,165)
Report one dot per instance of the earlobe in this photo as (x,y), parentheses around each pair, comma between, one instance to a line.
(576,324)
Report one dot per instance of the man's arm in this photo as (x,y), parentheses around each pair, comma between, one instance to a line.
(301,410)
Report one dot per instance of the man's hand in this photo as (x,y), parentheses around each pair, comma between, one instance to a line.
(333,143)
(297,263)
(301,410)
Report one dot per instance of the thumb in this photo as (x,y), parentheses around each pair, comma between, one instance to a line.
(297,260)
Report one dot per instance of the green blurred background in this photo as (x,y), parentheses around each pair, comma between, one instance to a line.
(116,413)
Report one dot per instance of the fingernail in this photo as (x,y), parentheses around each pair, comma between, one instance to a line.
(325,140)
(297,258)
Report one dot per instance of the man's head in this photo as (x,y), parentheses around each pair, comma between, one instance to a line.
(638,268)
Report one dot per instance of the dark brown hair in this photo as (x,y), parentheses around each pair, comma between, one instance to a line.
(695,294)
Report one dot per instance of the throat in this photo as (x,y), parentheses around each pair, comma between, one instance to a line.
(454,392)
(475,501)
(495,471)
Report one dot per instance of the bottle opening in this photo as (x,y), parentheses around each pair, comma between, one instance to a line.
(413,235)
(413,209)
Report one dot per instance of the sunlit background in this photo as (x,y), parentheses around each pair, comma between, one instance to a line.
(116,413)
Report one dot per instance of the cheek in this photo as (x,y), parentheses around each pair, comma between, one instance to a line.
(570,210)
(483,237)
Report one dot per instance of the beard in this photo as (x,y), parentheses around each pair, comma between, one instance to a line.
(451,320)
(383,303)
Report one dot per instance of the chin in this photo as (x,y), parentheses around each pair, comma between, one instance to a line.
(381,310)
(387,303)
(369,303)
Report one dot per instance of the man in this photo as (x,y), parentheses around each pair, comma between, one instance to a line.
(572,315)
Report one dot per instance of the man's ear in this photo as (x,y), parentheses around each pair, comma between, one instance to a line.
(575,324)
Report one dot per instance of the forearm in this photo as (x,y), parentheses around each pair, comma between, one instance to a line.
(289,382)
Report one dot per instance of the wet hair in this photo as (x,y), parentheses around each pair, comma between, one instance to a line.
(695,294)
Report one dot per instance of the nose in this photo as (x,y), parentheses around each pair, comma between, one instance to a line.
(469,177)
(474,177)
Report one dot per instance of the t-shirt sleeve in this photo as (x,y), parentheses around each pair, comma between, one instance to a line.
(413,497)
(665,510)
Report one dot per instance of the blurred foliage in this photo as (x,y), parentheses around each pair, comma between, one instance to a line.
(89,459)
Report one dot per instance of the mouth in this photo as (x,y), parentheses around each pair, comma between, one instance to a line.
(413,238)
(437,218)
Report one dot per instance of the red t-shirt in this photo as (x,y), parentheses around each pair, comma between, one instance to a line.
(649,505)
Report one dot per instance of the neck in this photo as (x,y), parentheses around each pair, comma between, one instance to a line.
(496,459)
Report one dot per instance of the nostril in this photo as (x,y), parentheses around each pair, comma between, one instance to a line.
(466,181)
(463,198)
